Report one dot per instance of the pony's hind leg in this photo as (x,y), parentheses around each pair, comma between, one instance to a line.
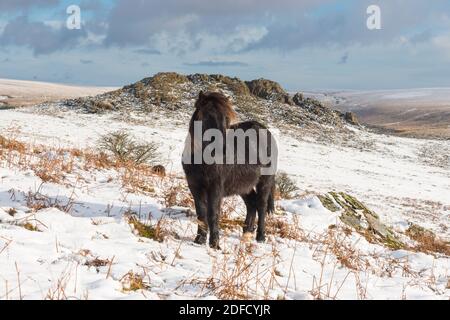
(264,190)
(250,203)
(201,209)
(214,203)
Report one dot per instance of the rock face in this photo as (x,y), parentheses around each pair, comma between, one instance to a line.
(363,220)
(269,90)
(298,98)
(351,118)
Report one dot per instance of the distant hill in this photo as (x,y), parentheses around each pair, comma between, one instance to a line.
(18,93)
(420,113)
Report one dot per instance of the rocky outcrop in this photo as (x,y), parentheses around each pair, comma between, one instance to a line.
(269,90)
(173,95)
(298,98)
(351,118)
(360,218)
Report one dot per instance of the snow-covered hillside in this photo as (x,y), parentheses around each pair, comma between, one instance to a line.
(422,112)
(67,228)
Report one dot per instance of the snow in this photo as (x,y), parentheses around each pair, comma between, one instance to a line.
(430,97)
(31,92)
(53,262)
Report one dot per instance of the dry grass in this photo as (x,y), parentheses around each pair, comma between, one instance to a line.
(178,194)
(11,145)
(278,226)
(158,231)
(30,227)
(134,282)
(98,263)
(230,224)
(37,201)
(427,241)
(241,275)
(11,211)
(62,165)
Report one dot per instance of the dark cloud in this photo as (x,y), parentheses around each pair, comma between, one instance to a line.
(348,27)
(20,5)
(217,64)
(41,38)
(290,24)
(421,37)
(136,22)
(91,5)
(83,61)
(180,27)
(147,51)
(344,58)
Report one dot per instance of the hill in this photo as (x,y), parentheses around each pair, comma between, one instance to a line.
(173,95)
(19,93)
(421,113)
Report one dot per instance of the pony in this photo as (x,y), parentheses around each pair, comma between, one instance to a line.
(209,183)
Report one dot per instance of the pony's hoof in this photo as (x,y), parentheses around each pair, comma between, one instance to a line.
(200,240)
(260,239)
(247,237)
(215,245)
(249,229)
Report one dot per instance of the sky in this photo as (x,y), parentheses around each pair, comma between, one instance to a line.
(303,44)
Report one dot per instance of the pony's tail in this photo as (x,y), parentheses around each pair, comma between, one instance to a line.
(271,201)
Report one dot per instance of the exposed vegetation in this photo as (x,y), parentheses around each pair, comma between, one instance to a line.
(125,148)
(285,185)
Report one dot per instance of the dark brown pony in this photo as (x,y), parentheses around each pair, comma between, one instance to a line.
(210,183)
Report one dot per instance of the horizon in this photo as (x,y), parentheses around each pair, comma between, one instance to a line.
(312,90)
(303,45)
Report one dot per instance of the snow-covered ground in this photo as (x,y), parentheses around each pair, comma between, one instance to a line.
(84,247)
(21,92)
(420,97)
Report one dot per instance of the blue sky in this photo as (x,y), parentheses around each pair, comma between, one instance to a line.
(303,44)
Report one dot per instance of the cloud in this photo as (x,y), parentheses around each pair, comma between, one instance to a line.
(442,42)
(280,25)
(230,26)
(40,37)
(91,5)
(147,51)
(136,22)
(344,58)
(21,5)
(83,61)
(217,64)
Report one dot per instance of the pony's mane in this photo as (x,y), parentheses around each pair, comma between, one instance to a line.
(215,102)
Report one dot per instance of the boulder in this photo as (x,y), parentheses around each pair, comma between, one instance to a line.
(269,90)
(351,118)
(298,98)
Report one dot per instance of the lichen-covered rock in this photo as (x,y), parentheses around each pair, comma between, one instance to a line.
(269,90)
(298,98)
(363,220)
